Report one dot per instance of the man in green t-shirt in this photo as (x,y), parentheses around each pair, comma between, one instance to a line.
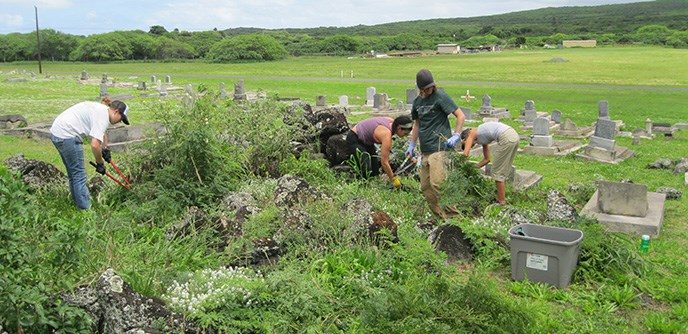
(430,113)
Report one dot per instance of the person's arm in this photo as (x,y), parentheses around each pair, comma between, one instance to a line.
(385,137)
(414,131)
(486,156)
(469,141)
(97,149)
(460,119)
(414,137)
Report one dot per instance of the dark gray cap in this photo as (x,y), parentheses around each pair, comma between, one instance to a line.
(424,79)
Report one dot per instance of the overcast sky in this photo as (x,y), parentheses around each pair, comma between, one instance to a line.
(86,17)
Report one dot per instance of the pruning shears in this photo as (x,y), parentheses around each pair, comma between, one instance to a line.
(406,165)
(112,163)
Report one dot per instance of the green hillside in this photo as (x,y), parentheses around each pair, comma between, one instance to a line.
(621,18)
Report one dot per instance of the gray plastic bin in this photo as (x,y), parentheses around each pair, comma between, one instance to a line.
(544,254)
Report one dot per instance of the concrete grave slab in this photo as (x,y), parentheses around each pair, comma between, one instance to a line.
(558,148)
(569,129)
(488,111)
(597,154)
(651,224)
(519,179)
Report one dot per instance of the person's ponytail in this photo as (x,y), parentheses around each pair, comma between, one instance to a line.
(106,101)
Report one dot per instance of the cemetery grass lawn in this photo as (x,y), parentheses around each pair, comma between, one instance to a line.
(510,78)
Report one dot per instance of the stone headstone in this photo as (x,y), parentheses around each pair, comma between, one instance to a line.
(568,125)
(33,75)
(605,129)
(530,116)
(556,116)
(541,136)
(223,91)
(603,110)
(105,78)
(163,89)
(142,85)
(189,89)
(320,100)
(344,101)
(604,135)
(487,101)
(627,199)
(467,113)
(380,101)
(488,111)
(239,91)
(411,95)
(168,80)
(84,75)
(103,90)
(541,126)
(154,79)
(530,105)
(648,126)
(370,95)
(239,87)
(159,84)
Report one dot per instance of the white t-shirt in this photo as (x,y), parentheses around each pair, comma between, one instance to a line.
(490,131)
(82,119)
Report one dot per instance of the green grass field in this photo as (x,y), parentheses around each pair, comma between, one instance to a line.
(638,82)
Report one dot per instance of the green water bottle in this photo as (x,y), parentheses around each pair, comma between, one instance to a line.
(644,243)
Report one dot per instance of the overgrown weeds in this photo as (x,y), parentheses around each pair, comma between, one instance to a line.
(325,280)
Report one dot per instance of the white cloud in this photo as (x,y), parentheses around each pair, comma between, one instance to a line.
(11,21)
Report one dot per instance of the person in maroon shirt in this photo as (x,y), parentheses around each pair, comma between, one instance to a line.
(361,140)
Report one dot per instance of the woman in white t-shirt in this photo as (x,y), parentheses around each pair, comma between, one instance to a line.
(505,149)
(85,119)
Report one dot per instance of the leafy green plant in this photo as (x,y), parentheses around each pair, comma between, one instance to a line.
(218,298)
(28,274)
(355,162)
(261,135)
(662,323)
(465,187)
(624,296)
(608,256)
(192,160)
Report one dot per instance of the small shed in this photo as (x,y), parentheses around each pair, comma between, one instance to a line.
(448,48)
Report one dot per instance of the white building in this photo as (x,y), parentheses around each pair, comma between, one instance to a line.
(448,48)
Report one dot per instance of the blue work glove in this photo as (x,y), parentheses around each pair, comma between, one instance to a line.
(409,151)
(451,142)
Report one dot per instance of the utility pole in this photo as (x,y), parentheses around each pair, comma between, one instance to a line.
(38,43)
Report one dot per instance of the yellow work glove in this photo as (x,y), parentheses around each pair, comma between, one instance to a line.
(396,182)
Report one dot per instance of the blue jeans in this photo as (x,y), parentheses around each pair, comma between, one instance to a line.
(72,154)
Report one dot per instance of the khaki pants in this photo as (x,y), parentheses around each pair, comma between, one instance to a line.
(433,171)
(503,155)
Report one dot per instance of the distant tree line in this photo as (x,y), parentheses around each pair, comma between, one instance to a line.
(665,23)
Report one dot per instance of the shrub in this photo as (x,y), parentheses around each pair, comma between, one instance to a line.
(251,47)
(31,275)
(194,162)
